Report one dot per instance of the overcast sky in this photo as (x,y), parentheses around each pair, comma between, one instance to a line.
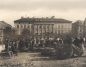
(73,10)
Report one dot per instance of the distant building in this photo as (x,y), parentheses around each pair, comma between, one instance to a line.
(43,26)
(3,25)
(77,28)
(84,28)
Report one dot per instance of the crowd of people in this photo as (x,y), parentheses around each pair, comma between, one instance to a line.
(13,46)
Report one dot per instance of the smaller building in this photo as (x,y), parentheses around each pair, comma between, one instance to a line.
(77,28)
(84,28)
(3,25)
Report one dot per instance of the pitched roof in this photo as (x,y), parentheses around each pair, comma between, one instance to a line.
(4,25)
(29,20)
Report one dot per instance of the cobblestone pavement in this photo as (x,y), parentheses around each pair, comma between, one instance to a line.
(36,60)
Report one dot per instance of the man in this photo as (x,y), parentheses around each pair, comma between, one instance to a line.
(6,44)
(14,48)
(9,49)
(76,42)
(78,46)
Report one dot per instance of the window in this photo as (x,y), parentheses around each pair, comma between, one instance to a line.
(1,32)
(58,26)
(24,26)
(58,31)
(36,27)
(17,26)
(61,26)
(21,26)
(44,27)
(0,41)
(28,26)
(48,26)
(40,26)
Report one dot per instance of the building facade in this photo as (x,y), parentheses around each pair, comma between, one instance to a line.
(3,26)
(42,27)
(77,28)
(84,28)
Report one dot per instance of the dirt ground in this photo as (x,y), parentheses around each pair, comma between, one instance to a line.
(28,59)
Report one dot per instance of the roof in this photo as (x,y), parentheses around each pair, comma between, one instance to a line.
(4,25)
(32,20)
(22,20)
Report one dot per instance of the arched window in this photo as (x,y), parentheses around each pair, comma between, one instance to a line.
(21,26)
(44,27)
(28,26)
(40,26)
(24,26)
(17,26)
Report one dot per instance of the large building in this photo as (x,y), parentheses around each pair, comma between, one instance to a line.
(41,27)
